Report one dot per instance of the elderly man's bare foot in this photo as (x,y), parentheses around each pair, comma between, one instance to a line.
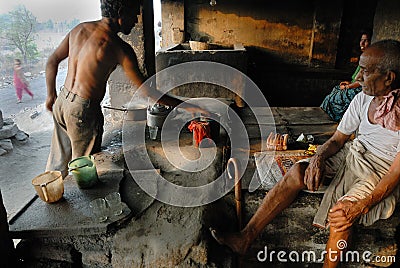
(234,241)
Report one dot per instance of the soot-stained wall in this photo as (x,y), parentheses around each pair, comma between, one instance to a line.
(313,41)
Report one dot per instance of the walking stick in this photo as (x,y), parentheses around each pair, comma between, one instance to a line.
(233,173)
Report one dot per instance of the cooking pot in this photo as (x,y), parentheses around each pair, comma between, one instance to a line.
(136,112)
(49,186)
(156,115)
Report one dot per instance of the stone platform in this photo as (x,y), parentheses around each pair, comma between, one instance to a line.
(156,234)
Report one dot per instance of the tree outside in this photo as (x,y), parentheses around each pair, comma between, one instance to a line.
(23,37)
(18,31)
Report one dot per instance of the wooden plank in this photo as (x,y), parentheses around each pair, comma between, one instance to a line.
(320,132)
(285,116)
(304,115)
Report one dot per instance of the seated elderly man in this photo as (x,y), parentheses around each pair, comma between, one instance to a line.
(364,173)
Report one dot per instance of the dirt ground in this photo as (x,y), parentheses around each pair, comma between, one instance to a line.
(25,161)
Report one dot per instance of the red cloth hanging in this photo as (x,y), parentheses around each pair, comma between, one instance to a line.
(200,131)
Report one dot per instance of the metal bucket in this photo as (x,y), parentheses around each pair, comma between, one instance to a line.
(157,114)
(84,171)
(49,186)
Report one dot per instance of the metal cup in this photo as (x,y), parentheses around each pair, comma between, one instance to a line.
(153,132)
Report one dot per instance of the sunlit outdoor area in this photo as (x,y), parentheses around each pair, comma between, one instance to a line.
(30,31)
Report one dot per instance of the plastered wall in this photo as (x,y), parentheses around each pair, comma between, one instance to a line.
(120,88)
(387,20)
(294,31)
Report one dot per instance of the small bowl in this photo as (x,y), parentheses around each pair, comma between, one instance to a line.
(196,45)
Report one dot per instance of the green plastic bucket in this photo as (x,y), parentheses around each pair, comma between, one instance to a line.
(84,171)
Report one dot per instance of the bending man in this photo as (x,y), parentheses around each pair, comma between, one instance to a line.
(94,49)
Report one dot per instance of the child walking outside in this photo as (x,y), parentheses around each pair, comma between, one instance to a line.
(20,81)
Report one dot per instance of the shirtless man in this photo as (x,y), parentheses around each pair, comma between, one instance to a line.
(94,50)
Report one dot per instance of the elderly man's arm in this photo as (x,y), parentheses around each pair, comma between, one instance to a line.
(315,169)
(344,213)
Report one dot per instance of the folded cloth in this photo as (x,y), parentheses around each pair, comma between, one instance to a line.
(355,179)
(388,113)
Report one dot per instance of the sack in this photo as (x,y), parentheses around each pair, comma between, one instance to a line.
(272,166)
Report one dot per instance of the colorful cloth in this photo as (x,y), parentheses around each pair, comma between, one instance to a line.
(20,85)
(388,113)
(353,77)
(200,131)
(336,103)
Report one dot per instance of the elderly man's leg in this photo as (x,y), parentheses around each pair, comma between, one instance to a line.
(276,200)
(336,246)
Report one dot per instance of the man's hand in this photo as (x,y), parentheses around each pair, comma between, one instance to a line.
(49,103)
(314,172)
(343,214)
(344,85)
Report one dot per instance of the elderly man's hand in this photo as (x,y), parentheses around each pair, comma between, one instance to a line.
(343,214)
(314,172)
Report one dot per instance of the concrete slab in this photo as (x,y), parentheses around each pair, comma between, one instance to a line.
(131,193)
(69,216)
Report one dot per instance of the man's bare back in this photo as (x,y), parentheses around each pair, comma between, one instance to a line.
(94,50)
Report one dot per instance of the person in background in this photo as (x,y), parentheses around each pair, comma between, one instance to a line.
(94,49)
(364,173)
(336,102)
(20,82)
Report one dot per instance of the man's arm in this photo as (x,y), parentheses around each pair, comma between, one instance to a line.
(128,61)
(129,64)
(54,60)
(315,169)
(344,213)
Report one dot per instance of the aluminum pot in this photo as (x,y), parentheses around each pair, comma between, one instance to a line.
(156,115)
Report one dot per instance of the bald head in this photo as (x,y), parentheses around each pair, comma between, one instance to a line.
(386,54)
